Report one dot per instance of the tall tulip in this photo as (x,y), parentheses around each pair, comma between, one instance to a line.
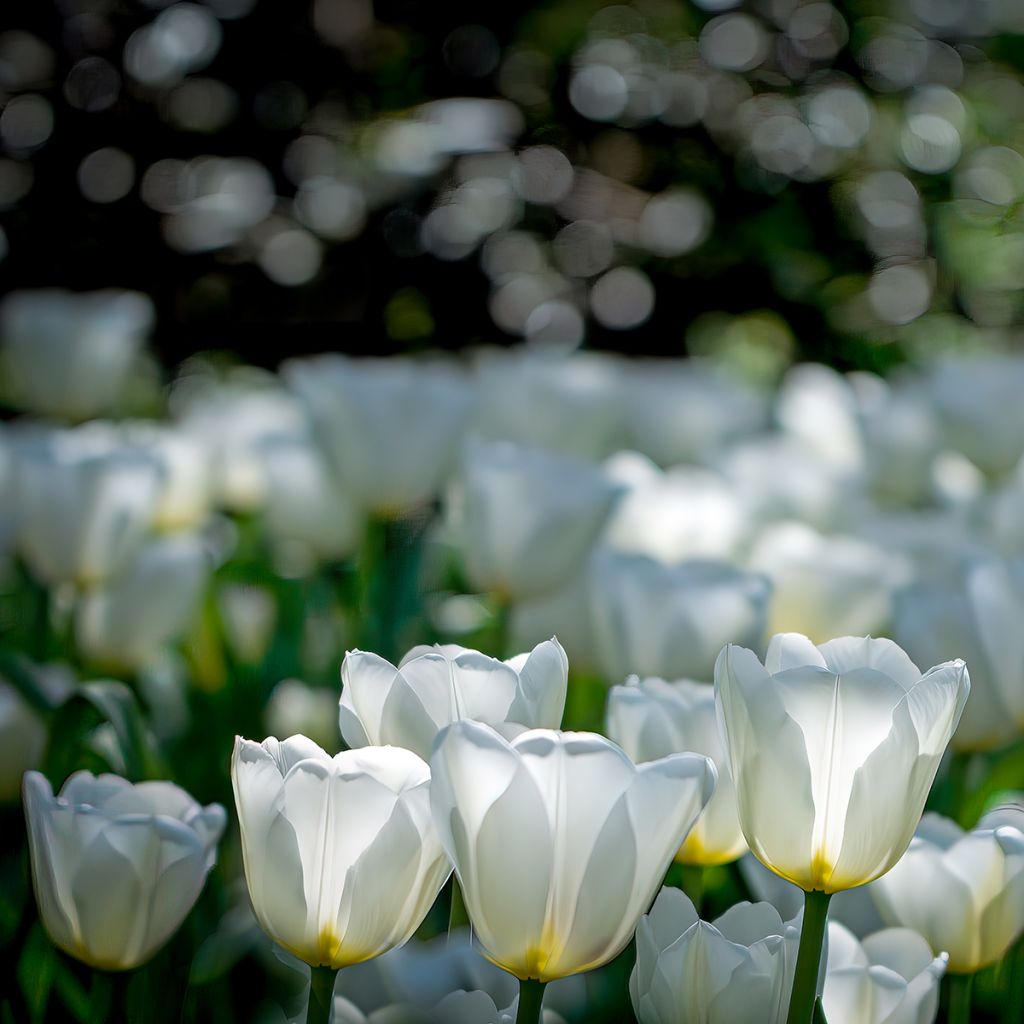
(435,686)
(116,866)
(559,842)
(851,733)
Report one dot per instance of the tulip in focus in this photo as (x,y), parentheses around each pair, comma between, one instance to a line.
(341,856)
(963,891)
(651,718)
(559,841)
(737,970)
(117,867)
(889,978)
(435,686)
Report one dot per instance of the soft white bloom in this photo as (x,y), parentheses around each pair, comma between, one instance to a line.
(736,970)
(890,977)
(127,620)
(390,426)
(70,355)
(833,750)
(651,718)
(824,586)
(248,615)
(673,515)
(671,621)
(559,841)
(84,500)
(564,612)
(22,740)
(117,867)
(963,891)
(525,520)
(977,616)
(341,857)
(293,707)
(435,686)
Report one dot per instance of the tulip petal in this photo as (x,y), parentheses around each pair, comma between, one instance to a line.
(366,681)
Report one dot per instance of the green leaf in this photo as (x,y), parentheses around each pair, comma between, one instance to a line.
(36,969)
(819,1012)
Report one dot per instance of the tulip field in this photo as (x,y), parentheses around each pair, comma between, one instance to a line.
(513,516)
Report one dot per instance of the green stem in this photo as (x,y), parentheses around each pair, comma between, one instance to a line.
(960,986)
(457,915)
(321,994)
(956,781)
(502,621)
(692,883)
(101,997)
(1013,972)
(531,996)
(808,958)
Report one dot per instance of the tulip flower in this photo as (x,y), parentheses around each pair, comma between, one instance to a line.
(117,867)
(341,857)
(525,520)
(889,978)
(559,842)
(390,426)
(736,970)
(963,891)
(671,621)
(22,740)
(70,355)
(435,686)
(651,719)
(851,733)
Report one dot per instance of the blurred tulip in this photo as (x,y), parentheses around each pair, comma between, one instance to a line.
(851,733)
(126,622)
(435,686)
(651,718)
(963,891)
(889,978)
(341,856)
(22,740)
(390,426)
(564,612)
(737,970)
(116,866)
(84,500)
(559,841)
(524,520)
(671,621)
(293,707)
(70,355)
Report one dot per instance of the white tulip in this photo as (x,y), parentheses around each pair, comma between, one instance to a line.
(390,426)
(963,891)
(564,612)
(889,978)
(125,622)
(435,686)
(117,867)
(559,841)
(833,750)
(651,719)
(341,856)
(525,520)
(22,740)
(84,501)
(671,621)
(70,355)
(736,970)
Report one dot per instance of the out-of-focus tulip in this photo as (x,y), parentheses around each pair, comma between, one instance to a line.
(126,621)
(889,978)
(22,740)
(977,616)
(293,707)
(824,586)
(84,500)
(116,866)
(963,891)
(651,719)
(390,426)
(341,856)
(435,686)
(564,612)
(70,355)
(737,970)
(671,621)
(833,750)
(558,840)
(525,520)
(248,614)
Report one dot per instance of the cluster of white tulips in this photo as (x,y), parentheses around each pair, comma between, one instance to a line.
(713,733)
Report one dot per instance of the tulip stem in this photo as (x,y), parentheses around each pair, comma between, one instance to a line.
(692,879)
(531,996)
(321,995)
(457,916)
(808,958)
(960,987)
